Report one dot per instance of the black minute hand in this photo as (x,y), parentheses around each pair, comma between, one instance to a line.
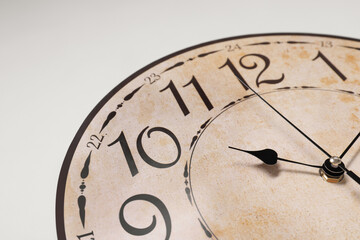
(270,157)
(350,145)
(306,136)
(351,174)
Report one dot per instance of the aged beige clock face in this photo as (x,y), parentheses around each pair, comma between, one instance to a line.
(177,151)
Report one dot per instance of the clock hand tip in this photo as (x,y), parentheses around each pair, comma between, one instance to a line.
(237,149)
(268,156)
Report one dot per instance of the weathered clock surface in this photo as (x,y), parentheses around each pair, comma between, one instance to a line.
(199,144)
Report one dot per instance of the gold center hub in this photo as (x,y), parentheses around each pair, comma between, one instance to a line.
(331,170)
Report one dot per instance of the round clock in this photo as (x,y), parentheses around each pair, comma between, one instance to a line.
(250,137)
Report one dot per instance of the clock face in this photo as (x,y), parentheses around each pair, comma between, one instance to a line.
(177,150)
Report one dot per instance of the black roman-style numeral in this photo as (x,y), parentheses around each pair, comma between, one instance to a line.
(331,65)
(201,92)
(180,100)
(177,96)
(127,153)
(254,65)
(129,156)
(87,235)
(144,231)
(235,72)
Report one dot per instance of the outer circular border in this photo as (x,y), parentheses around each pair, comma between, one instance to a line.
(60,193)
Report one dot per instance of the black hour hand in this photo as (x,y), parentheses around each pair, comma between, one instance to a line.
(270,157)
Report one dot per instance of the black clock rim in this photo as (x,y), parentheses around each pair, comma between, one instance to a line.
(60,193)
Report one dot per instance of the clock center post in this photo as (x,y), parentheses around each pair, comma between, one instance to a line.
(332,170)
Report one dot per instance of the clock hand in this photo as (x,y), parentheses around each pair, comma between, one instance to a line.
(350,145)
(270,157)
(306,136)
(341,165)
(352,175)
(337,163)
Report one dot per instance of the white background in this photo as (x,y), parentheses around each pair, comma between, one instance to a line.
(58,59)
